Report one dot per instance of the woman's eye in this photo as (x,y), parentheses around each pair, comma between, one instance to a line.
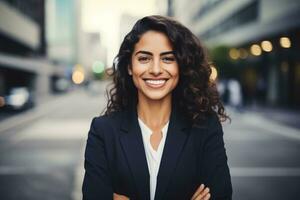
(168,59)
(143,59)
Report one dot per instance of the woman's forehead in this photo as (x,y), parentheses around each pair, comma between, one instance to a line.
(153,41)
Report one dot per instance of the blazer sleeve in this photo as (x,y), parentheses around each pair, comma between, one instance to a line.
(97,183)
(215,172)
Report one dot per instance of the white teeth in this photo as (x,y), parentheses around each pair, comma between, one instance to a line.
(156,82)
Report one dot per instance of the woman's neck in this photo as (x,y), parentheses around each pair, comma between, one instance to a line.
(154,113)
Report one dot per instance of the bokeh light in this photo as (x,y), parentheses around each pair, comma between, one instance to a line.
(266,46)
(98,67)
(285,42)
(214,73)
(77,77)
(255,50)
(234,54)
(78,74)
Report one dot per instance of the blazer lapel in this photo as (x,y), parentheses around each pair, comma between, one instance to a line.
(132,143)
(176,138)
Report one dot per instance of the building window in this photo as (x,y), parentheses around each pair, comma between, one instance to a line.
(244,16)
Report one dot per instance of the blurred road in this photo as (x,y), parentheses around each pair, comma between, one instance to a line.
(43,158)
(263,157)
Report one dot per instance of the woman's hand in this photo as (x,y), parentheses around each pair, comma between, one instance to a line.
(201,193)
(120,197)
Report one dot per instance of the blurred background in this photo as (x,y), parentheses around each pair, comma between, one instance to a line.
(53,54)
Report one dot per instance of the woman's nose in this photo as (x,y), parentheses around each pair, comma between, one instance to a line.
(155,68)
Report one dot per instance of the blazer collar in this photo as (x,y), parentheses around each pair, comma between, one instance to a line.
(130,117)
(132,143)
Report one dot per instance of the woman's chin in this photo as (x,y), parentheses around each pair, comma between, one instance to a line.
(156,96)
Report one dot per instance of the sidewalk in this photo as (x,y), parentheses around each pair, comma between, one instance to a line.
(35,113)
(282,116)
(41,111)
(45,107)
(270,121)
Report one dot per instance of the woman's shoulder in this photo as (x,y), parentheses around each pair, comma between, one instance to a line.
(208,121)
(108,120)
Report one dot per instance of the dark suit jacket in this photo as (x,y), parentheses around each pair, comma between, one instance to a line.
(115,159)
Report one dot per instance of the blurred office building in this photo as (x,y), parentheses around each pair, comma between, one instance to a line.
(23,47)
(40,45)
(63,29)
(69,45)
(256,42)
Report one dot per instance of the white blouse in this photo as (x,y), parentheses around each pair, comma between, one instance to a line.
(153,156)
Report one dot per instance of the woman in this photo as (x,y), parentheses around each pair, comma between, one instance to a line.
(160,136)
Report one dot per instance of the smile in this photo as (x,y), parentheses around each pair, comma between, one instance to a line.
(155,83)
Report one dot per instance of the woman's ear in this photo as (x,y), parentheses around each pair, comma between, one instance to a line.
(129,70)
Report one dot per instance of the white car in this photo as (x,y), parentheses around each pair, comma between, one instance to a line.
(19,98)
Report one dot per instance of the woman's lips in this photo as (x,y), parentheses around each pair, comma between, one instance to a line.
(155,83)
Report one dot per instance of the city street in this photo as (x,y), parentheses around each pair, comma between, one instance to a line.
(263,158)
(43,159)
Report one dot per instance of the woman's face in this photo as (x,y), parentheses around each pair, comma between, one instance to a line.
(154,68)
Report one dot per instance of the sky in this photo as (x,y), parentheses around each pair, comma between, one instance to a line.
(104,16)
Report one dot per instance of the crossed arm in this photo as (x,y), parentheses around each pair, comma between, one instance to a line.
(202,193)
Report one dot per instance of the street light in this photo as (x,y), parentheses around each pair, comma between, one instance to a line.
(78,74)
(234,53)
(285,42)
(255,50)
(266,46)
(98,67)
(214,73)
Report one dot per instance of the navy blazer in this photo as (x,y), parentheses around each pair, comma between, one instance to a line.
(115,159)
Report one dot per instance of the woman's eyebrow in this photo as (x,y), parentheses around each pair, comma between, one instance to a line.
(149,53)
(144,52)
(167,52)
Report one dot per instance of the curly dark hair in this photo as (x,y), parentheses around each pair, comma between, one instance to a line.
(196,94)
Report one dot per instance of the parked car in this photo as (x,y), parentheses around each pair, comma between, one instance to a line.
(19,98)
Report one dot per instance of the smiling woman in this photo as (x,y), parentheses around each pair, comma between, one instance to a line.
(160,136)
(154,68)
